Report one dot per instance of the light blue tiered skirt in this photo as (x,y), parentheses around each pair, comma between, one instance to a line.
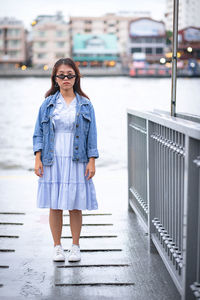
(64,184)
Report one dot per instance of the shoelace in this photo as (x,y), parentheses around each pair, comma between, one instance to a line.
(58,250)
(74,250)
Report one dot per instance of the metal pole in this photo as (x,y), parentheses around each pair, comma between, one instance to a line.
(174,57)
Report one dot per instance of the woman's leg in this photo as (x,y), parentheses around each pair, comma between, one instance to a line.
(56,222)
(75,224)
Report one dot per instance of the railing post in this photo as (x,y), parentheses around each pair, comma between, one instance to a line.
(190,222)
(150,182)
(174,56)
(128,157)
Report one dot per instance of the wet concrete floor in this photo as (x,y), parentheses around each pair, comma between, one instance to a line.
(115,260)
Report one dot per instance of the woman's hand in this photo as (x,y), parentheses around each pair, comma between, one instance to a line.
(90,168)
(38,165)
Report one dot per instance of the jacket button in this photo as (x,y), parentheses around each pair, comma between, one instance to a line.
(77,125)
(76,147)
(77,159)
(77,136)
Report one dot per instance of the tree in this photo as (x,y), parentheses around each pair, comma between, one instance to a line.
(169,35)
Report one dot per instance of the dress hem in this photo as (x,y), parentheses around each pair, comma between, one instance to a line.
(63,182)
(67,208)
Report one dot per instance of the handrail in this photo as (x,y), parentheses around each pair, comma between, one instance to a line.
(182,125)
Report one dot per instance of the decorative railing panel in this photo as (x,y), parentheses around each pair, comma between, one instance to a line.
(164,191)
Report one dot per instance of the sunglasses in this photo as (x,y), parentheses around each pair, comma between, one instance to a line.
(62,76)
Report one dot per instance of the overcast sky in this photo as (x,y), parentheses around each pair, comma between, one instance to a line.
(28,10)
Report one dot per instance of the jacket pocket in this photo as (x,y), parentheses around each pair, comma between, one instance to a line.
(87,117)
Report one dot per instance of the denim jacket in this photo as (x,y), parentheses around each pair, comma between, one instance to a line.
(85,137)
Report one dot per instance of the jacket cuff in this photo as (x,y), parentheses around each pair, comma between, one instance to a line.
(37,147)
(93,153)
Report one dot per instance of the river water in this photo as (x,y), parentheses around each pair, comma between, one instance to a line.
(21,98)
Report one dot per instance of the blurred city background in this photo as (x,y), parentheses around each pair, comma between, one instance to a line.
(132,39)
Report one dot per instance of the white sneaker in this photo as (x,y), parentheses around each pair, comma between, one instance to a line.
(74,253)
(58,254)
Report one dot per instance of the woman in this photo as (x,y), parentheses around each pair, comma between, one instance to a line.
(65,148)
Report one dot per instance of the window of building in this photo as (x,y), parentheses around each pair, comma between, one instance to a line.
(88,22)
(136,40)
(42,44)
(60,33)
(60,44)
(41,33)
(13,32)
(14,43)
(139,40)
(133,50)
(87,30)
(159,50)
(149,40)
(13,53)
(60,55)
(41,55)
(148,50)
(159,40)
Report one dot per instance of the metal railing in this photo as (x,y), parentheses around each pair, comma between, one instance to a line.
(164,190)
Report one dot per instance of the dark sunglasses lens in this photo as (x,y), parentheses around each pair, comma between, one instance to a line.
(60,76)
(71,76)
(68,76)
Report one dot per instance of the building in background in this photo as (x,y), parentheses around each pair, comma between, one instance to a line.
(189,14)
(12,43)
(113,24)
(189,48)
(147,40)
(50,40)
(189,43)
(95,50)
(108,40)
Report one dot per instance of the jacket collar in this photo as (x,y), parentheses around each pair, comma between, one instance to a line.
(52,98)
(81,100)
